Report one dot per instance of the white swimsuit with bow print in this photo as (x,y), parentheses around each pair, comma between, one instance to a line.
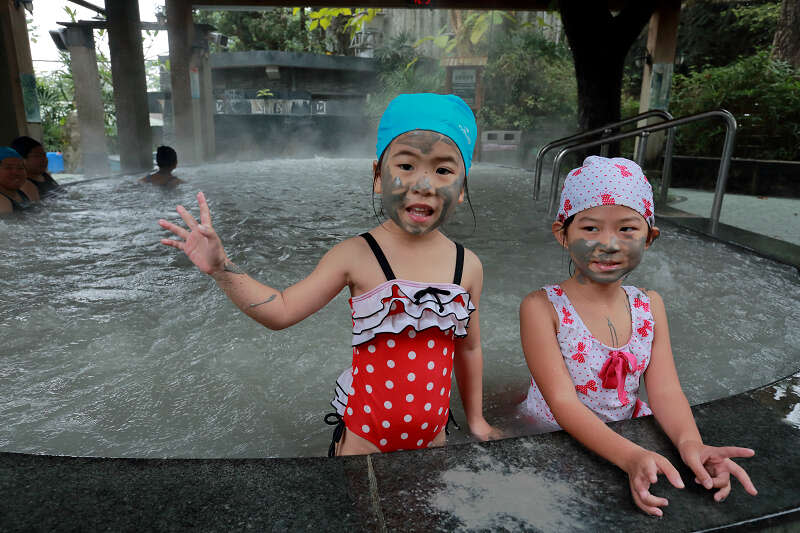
(606,378)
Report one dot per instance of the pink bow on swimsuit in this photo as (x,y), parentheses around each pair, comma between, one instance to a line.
(615,369)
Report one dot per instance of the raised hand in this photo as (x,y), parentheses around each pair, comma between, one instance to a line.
(200,243)
(643,470)
(712,467)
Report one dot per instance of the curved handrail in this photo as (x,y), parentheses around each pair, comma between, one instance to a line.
(722,175)
(566,140)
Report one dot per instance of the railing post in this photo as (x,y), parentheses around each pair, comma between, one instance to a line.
(604,147)
(642,151)
(722,175)
(666,171)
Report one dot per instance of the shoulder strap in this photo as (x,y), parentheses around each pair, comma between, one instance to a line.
(376,250)
(459,264)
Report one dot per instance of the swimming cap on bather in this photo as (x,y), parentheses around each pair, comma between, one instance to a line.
(6,152)
(603,181)
(445,114)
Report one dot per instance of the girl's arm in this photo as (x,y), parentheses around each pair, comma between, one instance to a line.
(546,363)
(468,361)
(711,465)
(272,308)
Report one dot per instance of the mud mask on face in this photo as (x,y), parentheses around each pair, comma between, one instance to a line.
(394,197)
(627,253)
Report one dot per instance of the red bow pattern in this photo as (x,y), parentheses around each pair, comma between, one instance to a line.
(567,205)
(614,370)
(567,315)
(624,171)
(646,326)
(637,303)
(607,199)
(584,389)
(647,206)
(580,356)
(642,365)
(395,294)
(577,171)
(558,290)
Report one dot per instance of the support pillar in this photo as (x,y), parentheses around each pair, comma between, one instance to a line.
(207,106)
(88,100)
(181,37)
(130,85)
(19,106)
(662,38)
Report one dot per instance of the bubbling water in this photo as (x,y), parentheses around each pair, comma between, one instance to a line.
(114,345)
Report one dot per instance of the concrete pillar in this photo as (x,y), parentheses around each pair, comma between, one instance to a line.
(88,100)
(130,85)
(181,36)
(662,38)
(19,106)
(207,106)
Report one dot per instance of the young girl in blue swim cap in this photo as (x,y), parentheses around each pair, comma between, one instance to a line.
(413,290)
(583,371)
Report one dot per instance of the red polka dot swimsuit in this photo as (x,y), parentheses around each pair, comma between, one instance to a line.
(397,392)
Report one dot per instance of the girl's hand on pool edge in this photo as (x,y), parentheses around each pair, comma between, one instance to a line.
(482,431)
(200,243)
(643,469)
(712,467)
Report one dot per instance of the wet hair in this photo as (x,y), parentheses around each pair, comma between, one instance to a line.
(24,145)
(166,156)
(379,215)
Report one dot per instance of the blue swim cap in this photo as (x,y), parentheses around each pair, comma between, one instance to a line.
(6,152)
(443,113)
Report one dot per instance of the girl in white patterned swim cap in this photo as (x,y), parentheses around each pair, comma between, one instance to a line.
(589,339)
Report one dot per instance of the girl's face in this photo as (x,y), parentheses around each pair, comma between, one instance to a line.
(421,179)
(606,242)
(36,162)
(12,173)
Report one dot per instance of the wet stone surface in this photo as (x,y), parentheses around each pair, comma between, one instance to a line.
(537,483)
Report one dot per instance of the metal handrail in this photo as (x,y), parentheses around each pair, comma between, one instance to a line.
(605,130)
(724,165)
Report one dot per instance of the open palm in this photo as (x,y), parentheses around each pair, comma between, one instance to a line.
(200,242)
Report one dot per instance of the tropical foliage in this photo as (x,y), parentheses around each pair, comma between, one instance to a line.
(762,93)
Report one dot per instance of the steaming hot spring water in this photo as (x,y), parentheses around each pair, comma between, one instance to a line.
(115,345)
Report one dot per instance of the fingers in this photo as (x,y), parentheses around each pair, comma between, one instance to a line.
(174,244)
(702,476)
(723,483)
(742,476)
(666,468)
(644,500)
(189,219)
(205,213)
(177,230)
(735,451)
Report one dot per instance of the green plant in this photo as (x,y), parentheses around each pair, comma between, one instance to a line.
(401,69)
(527,79)
(762,93)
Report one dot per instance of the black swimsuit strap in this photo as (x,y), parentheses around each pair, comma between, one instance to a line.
(459,264)
(387,270)
(15,203)
(376,250)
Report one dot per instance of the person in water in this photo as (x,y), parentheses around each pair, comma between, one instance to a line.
(12,180)
(413,290)
(589,339)
(167,161)
(36,165)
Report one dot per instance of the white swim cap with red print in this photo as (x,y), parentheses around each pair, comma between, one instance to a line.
(604,181)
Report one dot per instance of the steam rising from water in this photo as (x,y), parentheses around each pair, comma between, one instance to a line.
(114,345)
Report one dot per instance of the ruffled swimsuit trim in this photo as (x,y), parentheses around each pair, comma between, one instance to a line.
(391,307)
